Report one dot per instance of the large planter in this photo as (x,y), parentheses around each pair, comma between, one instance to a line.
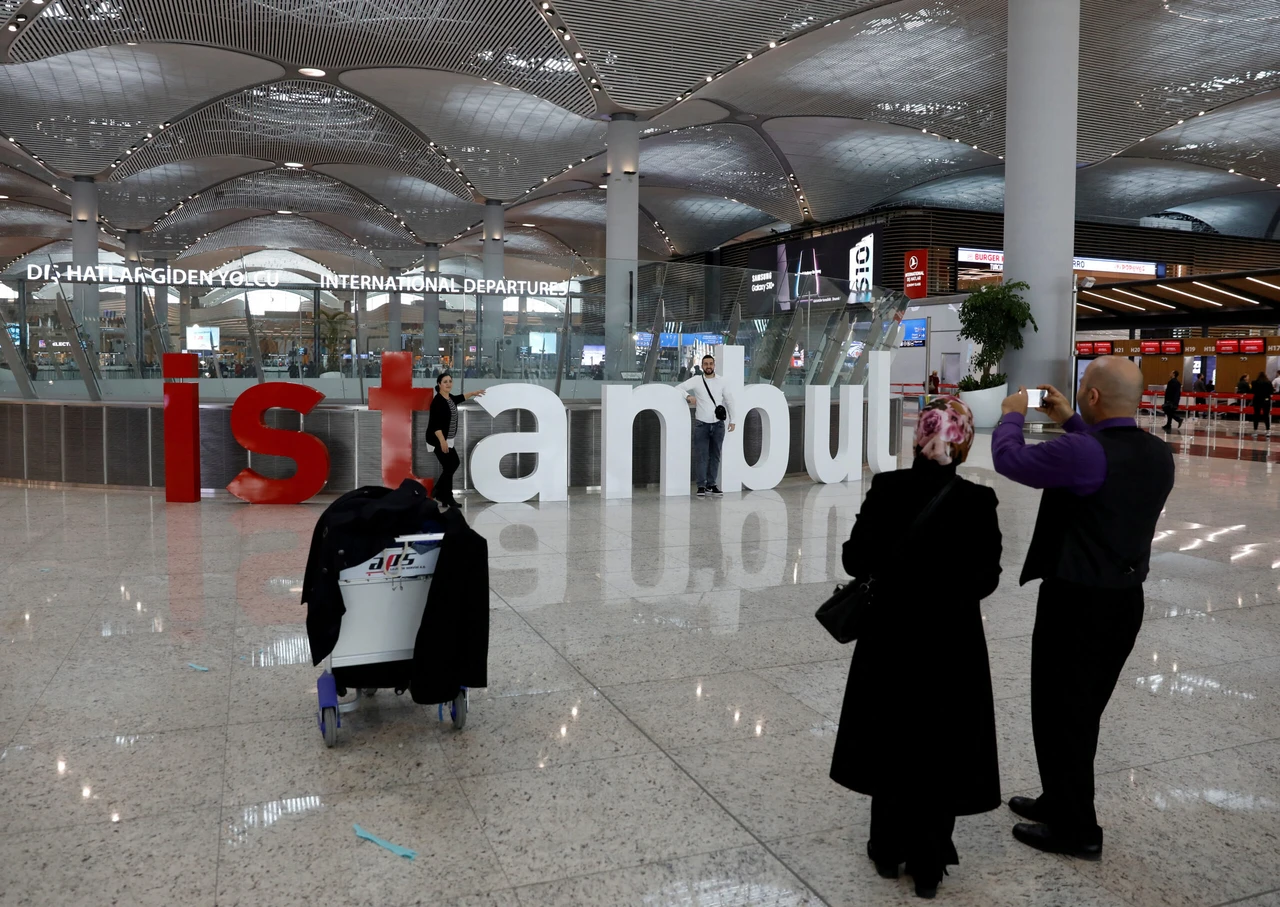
(985,405)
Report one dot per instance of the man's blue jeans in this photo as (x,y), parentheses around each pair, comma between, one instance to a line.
(708,438)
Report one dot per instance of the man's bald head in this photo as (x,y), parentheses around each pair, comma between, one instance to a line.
(1110,389)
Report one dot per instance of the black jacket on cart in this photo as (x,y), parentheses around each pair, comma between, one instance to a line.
(351,530)
(452,648)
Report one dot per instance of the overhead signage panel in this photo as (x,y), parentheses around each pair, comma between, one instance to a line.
(995,259)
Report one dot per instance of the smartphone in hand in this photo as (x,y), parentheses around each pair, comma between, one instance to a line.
(1035,398)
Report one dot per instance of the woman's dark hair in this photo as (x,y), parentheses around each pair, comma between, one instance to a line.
(441,377)
(1262,376)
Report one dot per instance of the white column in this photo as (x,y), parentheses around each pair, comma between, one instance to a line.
(393,315)
(184,317)
(431,304)
(622,242)
(1040,181)
(133,319)
(84,251)
(490,343)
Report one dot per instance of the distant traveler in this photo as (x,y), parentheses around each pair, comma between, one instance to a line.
(442,426)
(1105,483)
(935,384)
(1262,391)
(1172,397)
(917,727)
(1276,383)
(1199,387)
(710,393)
(1244,385)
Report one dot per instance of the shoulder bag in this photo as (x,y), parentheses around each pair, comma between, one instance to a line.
(846,612)
(721,412)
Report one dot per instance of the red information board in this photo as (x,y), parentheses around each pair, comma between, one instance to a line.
(916,274)
(1253,346)
(1226,346)
(1102,347)
(1084,349)
(1170,347)
(1151,347)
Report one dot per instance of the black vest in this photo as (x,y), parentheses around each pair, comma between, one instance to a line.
(1104,539)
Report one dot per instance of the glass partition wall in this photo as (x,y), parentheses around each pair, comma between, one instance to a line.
(549,321)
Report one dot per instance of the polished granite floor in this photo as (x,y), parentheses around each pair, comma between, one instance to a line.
(657,732)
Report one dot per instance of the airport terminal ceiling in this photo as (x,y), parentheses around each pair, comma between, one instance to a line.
(357,130)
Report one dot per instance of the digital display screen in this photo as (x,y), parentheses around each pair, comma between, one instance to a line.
(592,354)
(793,271)
(914,331)
(542,342)
(199,338)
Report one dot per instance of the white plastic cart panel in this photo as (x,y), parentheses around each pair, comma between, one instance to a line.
(385,598)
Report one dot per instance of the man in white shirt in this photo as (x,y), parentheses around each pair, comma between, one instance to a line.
(1276,383)
(707,391)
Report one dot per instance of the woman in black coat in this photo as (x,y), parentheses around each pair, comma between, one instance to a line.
(442,426)
(917,728)
(1262,391)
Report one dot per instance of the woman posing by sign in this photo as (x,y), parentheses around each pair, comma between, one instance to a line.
(442,426)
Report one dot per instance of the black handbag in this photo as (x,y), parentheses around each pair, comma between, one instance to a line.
(846,612)
(721,412)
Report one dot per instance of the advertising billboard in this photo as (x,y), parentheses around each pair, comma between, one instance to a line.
(786,273)
(200,338)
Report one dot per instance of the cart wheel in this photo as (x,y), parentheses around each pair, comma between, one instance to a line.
(369,692)
(458,710)
(329,725)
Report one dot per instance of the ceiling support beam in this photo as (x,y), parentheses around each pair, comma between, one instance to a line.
(84,252)
(1040,181)
(622,243)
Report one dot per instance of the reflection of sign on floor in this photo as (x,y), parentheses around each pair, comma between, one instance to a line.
(631,376)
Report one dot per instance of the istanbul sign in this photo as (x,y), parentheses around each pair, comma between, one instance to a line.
(268,279)
(397,399)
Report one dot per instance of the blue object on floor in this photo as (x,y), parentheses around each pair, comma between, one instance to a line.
(196,667)
(394,848)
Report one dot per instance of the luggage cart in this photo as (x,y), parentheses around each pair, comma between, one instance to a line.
(385,598)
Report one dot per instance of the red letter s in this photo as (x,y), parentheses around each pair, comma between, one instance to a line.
(306,450)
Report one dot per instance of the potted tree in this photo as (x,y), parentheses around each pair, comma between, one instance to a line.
(994,318)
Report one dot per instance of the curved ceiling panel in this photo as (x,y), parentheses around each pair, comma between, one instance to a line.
(17,219)
(723,160)
(696,223)
(975,190)
(647,53)
(432,213)
(179,237)
(536,243)
(376,236)
(929,64)
(60,253)
(846,166)
(504,140)
(1145,66)
(277,231)
(83,110)
(21,186)
(577,219)
(502,40)
(135,203)
(1244,137)
(693,112)
(1130,188)
(299,191)
(1255,215)
(301,122)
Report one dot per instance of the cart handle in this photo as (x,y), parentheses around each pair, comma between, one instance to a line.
(421,537)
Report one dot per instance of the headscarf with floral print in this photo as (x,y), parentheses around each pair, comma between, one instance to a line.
(944,433)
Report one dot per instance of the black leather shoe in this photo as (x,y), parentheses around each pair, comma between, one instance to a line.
(884,869)
(927,881)
(1026,807)
(1041,837)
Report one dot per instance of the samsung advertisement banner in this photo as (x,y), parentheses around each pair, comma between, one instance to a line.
(788,273)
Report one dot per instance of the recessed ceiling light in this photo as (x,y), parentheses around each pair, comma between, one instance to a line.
(604,185)
(294,165)
(284,212)
(311,72)
(5,196)
(523,225)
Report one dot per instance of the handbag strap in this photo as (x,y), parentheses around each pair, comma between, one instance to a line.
(709,394)
(929,508)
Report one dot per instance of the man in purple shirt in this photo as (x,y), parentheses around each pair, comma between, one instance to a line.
(1105,484)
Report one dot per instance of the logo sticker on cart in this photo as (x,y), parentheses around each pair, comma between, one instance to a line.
(382,564)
